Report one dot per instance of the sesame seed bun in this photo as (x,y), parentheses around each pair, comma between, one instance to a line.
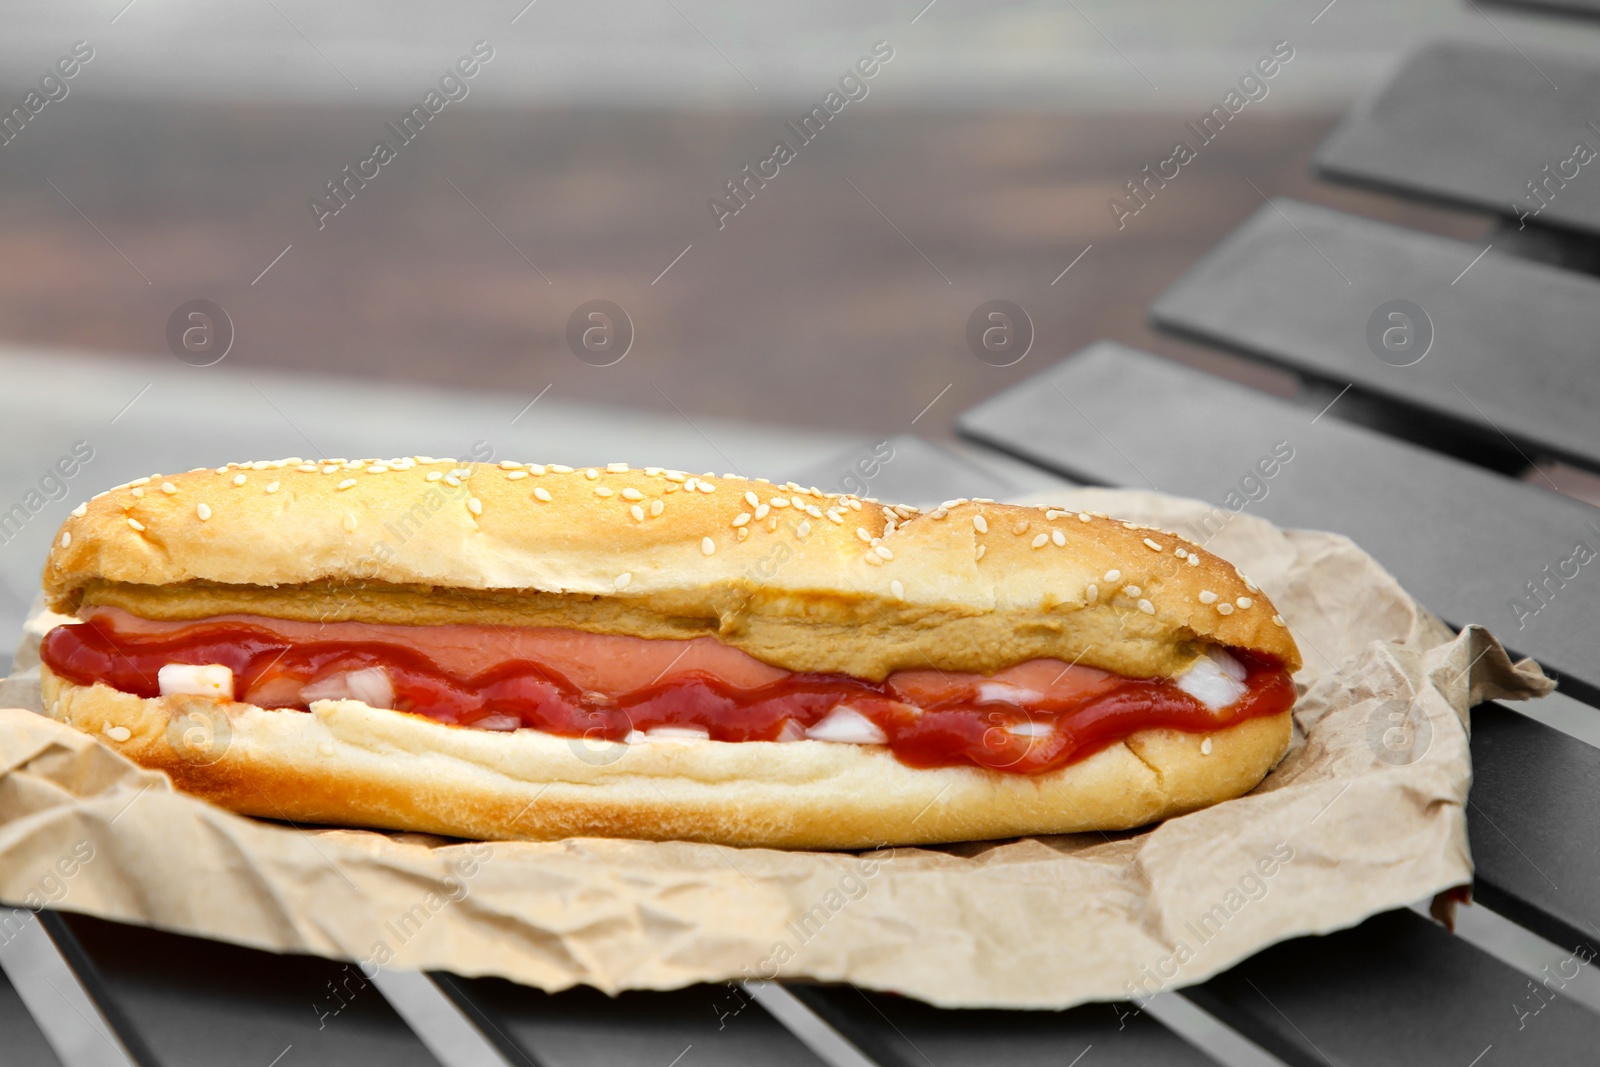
(975,586)
(822,583)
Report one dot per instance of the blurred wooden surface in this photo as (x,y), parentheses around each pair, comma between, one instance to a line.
(808,308)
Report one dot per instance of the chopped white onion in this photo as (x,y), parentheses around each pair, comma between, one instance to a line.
(1002,693)
(678,733)
(1215,679)
(792,731)
(496,721)
(182,679)
(846,725)
(1030,729)
(371,686)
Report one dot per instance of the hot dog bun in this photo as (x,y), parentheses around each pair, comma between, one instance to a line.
(837,584)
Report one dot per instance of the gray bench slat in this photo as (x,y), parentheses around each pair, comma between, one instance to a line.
(1400,990)
(1561,7)
(1471,124)
(1515,342)
(705,1025)
(904,469)
(24,1042)
(177,1000)
(1464,541)
(898,1032)
(1534,826)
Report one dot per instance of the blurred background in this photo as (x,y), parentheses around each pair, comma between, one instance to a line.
(189,157)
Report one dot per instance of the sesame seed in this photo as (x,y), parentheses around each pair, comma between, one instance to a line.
(168,488)
(516,476)
(434,476)
(706,487)
(1041,540)
(1091,592)
(137,493)
(1130,526)
(509,464)
(140,481)
(897,589)
(452,481)
(118,733)
(779,502)
(1083,517)
(980,524)
(631,493)
(1053,513)
(1207,597)
(378,468)
(617,468)
(621,581)
(273,487)
(761,511)
(601,490)
(637,512)
(329,469)
(348,482)
(1113,575)
(657,507)
(814,511)
(203,510)
(981,550)
(1205,747)
(883,552)
(1181,552)
(561,468)
(1058,537)
(938,513)
(1248,584)
(1224,608)
(772,524)
(261,464)
(81,510)
(66,538)
(744,532)
(1278,620)
(690,484)
(136,524)
(307,468)
(349,522)
(1244,602)
(1194,559)
(238,479)
(740,519)
(541,493)
(1147,607)
(220,470)
(674,476)
(591,474)
(834,516)
(750,498)
(862,533)
(1132,590)
(1020,528)
(803,529)
(474,505)
(536,468)
(652,472)
(707,545)
(1153,545)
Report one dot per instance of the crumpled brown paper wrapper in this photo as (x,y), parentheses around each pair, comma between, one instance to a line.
(1364,814)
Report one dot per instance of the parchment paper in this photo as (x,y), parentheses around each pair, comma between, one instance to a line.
(1365,814)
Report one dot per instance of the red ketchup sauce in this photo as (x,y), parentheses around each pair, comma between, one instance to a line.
(931,719)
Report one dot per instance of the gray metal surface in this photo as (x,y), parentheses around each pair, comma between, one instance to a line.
(1396,991)
(1464,541)
(177,1001)
(1515,345)
(700,1026)
(1472,124)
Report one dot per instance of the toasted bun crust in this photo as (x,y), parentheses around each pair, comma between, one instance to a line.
(346,764)
(822,583)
